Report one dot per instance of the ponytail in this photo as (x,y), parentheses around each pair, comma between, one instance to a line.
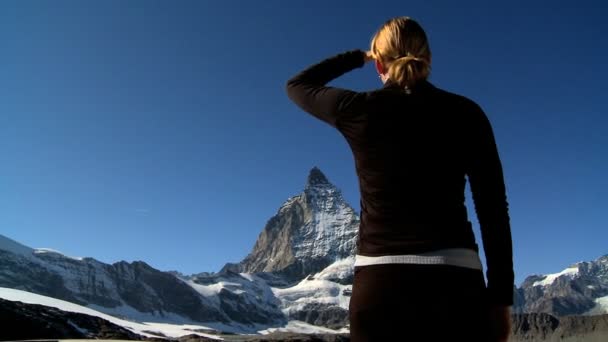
(408,70)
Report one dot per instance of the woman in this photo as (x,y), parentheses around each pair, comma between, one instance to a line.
(417,269)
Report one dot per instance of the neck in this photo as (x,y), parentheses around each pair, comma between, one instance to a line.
(422,84)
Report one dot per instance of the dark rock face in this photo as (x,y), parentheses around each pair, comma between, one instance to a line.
(27,321)
(544,327)
(537,325)
(322,315)
(272,250)
(291,337)
(316,178)
(148,290)
(23,274)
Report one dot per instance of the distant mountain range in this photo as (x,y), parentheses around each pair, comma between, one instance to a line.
(298,276)
(580,289)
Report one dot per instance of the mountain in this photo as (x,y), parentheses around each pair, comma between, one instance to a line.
(127,289)
(581,289)
(309,232)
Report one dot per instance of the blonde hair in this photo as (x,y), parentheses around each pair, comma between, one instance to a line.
(401,46)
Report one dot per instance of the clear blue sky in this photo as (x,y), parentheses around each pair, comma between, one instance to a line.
(160,131)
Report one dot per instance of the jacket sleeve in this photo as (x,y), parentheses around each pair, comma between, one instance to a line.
(308,88)
(489,196)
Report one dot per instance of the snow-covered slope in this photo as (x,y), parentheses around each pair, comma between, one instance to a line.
(600,307)
(244,297)
(321,299)
(138,328)
(570,272)
(55,253)
(318,289)
(152,328)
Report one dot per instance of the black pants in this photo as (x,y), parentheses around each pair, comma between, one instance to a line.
(405,302)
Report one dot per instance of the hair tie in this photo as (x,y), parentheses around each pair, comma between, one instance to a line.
(411,58)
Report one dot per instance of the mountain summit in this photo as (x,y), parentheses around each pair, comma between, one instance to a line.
(309,232)
(316,178)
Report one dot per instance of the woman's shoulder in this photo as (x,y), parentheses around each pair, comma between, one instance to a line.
(464,100)
(464,104)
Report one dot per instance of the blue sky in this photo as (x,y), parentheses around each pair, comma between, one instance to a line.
(160,131)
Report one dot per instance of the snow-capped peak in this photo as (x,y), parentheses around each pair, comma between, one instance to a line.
(331,226)
(603,260)
(570,272)
(54,252)
(310,231)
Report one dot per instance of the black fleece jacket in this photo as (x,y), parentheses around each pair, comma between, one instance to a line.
(412,153)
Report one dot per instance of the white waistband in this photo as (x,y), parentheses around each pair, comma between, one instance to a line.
(462,257)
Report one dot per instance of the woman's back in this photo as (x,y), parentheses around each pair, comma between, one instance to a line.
(410,153)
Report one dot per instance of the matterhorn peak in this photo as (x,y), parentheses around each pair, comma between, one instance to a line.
(316,178)
(310,231)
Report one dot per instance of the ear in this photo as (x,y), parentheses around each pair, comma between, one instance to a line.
(379,67)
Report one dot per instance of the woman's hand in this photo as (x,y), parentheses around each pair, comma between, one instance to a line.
(368,56)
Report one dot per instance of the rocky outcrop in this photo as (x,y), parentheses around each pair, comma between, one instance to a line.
(319,314)
(544,327)
(539,326)
(29,321)
(20,272)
